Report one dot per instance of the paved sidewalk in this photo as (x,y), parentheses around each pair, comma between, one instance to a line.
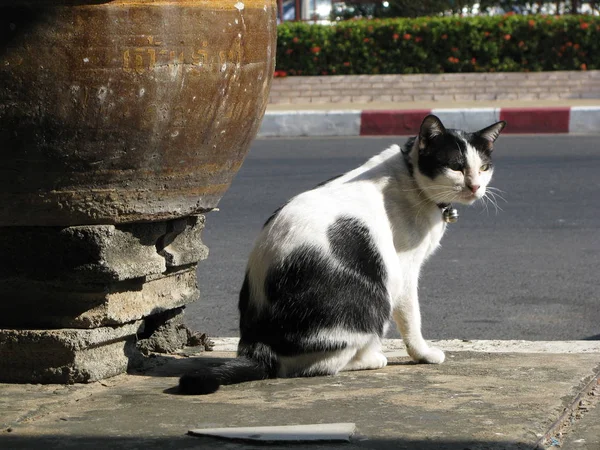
(487,395)
(579,116)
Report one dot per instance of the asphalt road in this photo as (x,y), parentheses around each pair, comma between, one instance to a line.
(530,271)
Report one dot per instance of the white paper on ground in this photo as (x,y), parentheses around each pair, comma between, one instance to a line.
(313,432)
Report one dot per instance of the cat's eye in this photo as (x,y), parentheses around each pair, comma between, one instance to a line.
(485,167)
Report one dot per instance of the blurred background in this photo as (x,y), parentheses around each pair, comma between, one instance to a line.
(325,11)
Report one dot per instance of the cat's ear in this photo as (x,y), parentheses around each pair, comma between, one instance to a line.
(492,132)
(430,127)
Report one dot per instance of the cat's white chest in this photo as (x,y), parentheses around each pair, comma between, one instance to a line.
(434,237)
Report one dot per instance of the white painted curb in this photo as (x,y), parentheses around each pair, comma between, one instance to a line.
(310,123)
(584,120)
(397,348)
(468,119)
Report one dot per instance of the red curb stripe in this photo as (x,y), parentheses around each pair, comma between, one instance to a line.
(536,120)
(389,123)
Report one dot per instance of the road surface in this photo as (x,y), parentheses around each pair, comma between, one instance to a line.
(530,271)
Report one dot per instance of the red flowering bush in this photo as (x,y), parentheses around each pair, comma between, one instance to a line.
(440,44)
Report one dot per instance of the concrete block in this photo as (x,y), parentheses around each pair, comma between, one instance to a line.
(484,96)
(182,243)
(419,97)
(402,98)
(94,253)
(443,97)
(310,123)
(383,98)
(504,96)
(165,333)
(464,97)
(299,100)
(584,119)
(341,99)
(320,100)
(27,304)
(361,98)
(67,356)
(278,99)
(100,253)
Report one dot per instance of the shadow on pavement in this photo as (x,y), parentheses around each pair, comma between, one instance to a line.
(189,442)
(592,338)
(171,366)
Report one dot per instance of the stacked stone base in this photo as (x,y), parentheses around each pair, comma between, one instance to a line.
(77,302)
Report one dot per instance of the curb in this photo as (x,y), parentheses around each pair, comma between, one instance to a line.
(534,120)
(396,347)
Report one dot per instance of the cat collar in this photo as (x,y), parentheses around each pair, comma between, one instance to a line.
(449,213)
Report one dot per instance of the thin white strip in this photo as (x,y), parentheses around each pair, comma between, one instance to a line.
(310,123)
(298,433)
(469,119)
(584,120)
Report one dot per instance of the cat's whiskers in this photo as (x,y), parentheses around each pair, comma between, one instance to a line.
(485,205)
(496,195)
(428,197)
(435,197)
(426,188)
(438,197)
(493,202)
(492,195)
(496,189)
(492,199)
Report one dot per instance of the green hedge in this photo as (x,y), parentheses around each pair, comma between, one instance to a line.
(440,45)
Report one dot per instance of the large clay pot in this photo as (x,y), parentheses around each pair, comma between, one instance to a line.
(127,110)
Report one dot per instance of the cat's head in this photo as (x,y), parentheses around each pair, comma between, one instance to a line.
(454,165)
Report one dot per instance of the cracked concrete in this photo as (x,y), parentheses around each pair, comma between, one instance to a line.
(475,400)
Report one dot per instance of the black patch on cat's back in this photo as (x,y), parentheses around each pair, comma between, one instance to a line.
(244,299)
(352,244)
(309,291)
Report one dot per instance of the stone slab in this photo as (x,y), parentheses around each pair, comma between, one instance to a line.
(81,254)
(182,243)
(67,355)
(164,333)
(476,400)
(96,254)
(112,304)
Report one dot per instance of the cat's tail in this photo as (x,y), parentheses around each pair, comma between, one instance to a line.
(206,380)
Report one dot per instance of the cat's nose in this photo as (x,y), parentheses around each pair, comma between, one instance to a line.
(474,187)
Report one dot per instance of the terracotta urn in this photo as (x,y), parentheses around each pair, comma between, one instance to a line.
(127,110)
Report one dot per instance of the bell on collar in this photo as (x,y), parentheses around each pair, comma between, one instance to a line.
(450,214)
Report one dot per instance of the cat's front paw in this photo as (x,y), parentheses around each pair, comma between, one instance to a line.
(433,356)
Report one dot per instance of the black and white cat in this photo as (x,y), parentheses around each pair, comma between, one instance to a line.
(336,263)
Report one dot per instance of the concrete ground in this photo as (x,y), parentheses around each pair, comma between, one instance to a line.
(487,395)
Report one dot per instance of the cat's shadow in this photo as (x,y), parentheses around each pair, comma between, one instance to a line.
(168,366)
